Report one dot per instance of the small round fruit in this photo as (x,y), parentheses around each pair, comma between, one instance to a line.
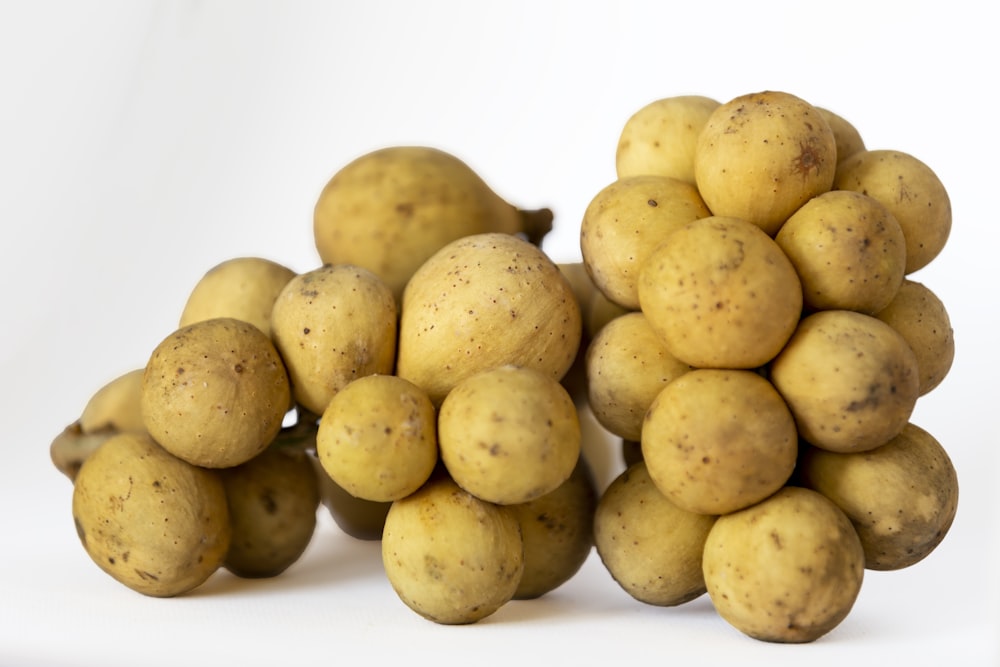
(716,441)
(762,155)
(243,288)
(848,139)
(152,521)
(116,406)
(332,325)
(651,547)
(272,500)
(911,191)
(920,316)
(848,250)
(720,293)
(850,380)
(660,138)
(377,438)
(557,529)
(787,569)
(625,221)
(509,435)
(482,302)
(627,365)
(449,556)
(901,496)
(215,392)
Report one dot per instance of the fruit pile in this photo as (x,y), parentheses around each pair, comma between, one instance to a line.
(743,319)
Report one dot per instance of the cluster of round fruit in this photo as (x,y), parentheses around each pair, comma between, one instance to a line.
(762,359)
(741,318)
(411,382)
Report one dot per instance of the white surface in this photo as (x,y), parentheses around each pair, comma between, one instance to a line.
(143,142)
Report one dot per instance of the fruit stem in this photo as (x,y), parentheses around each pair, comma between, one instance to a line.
(536,223)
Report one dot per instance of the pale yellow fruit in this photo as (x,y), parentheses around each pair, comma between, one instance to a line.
(848,250)
(850,379)
(847,137)
(627,366)
(788,569)
(762,155)
(625,222)
(150,520)
(377,438)
(215,392)
(920,316)
(116,406)
(243,288)
(558,534)
(449,556)
(356,517)
(901,497)
(332,325)
(660,137)
(391,209)
(272,501)
(651,547)
(509,435)
(720,293)
(911,191)
(716,441)
(482,302)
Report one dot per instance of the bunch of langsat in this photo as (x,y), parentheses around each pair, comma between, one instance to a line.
(743,319)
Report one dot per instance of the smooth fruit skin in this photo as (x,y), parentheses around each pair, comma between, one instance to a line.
(482,302)
(787,569)
(763,155)
(215,392)
(152,521)
(451,557)
(391,209)
(901,497)
(850,380)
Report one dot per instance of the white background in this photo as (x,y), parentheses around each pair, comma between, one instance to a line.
(142,142)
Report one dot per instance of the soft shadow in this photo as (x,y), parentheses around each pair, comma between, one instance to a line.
(331,558)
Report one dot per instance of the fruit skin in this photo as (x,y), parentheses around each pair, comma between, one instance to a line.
(558,533)
(390,209)
(482,302)
(912,192)
(627,365)
(902,497)
(152,521)
(272,501)
(848,250)
(660,137)
(625,222)
(215,392)
(920,316)
(449,556)
(116,406)
(509,435)
(720,293)
(847,137)
(850,380)
(787,569)
(651,547)
(716,441)
(332,325)
(243,288)
(762,155)
(377,438)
